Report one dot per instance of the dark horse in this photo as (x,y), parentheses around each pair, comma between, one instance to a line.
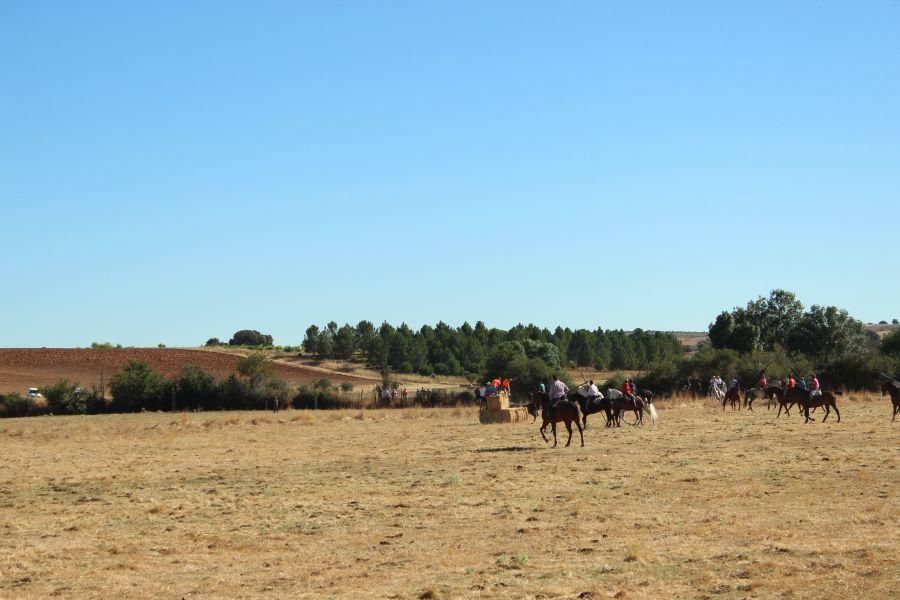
(565,411)
(734,396)
(589,407)
(784,397)
(805,401)
(892,388)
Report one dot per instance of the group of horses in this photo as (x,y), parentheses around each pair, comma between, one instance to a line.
(805,401)
(575,408)
(785,399)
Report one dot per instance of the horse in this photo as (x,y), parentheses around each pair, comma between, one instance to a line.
(565,411)
(754,394)
(590,407)
(717,392)
(532,409)
(825,399)
(734,396)
(619,403)
(648,407)
(771,393)
(892,388)
(794,396)
(783,397)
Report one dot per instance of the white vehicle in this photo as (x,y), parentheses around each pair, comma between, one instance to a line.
(34,393)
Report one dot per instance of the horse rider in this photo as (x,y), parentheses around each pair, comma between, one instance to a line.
(815,388)
(628,390)
(803,384)
(542,388)
(732,383)
(763,382)
(791,382)
(593,392)
(558,391)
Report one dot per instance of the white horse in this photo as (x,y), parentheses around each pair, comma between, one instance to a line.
(718,390)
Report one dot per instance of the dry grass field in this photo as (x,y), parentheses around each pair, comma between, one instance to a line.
(431,504)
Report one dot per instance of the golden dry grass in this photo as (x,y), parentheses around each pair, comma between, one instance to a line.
(431,504)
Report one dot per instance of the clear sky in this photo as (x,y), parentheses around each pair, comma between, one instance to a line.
(173,171)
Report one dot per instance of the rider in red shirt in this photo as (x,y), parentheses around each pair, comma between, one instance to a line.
(792,383)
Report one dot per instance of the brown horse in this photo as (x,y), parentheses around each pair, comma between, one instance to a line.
(734,396)
(620,404)
(565,411)
(786,398)
(892,388)
(825,399)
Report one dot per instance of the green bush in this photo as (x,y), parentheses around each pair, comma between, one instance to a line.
(64,398)
(323,384)
(195,389)
(250,337)
(426,370)
(14,405)
(309,397)
(137,387)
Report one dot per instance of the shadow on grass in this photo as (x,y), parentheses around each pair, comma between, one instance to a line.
(508,449)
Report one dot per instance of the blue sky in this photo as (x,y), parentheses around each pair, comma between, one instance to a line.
(175,171)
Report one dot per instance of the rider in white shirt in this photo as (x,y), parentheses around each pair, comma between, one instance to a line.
(593,392)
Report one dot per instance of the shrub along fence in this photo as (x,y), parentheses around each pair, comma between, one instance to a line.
(137,388)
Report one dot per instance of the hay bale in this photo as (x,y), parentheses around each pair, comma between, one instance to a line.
(498,401)
(503,415)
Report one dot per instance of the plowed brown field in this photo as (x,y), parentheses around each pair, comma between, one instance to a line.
(21,368)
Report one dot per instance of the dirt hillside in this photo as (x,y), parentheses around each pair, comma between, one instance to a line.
(21,368)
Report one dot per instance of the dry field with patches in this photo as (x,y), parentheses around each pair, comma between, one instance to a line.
(430,504)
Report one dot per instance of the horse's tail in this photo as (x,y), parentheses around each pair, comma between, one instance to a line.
(578,413)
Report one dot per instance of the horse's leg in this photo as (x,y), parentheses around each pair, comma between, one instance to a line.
(834,406)
(827,412)
(543,427)
(580,433)
(569,428)
(553,426)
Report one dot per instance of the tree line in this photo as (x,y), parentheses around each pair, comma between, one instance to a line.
(779,336)
(467,350)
